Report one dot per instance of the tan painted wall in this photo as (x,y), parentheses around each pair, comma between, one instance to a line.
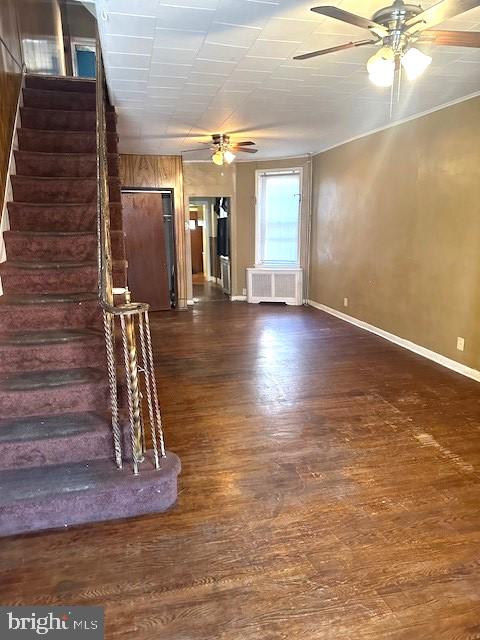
(238,181)
(396,229)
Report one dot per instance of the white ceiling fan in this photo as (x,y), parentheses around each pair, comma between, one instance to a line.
(396,29)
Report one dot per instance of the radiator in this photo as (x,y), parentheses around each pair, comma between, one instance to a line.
(275,285)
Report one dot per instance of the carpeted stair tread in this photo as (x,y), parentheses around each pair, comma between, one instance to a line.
(60,83)
(54,439)
(28,381)
(38,498)
(62,120)
(48,337)
(66,190)
(29,216)
(62,141)
(62,246)
(48,298)
(48,426)
(61,165)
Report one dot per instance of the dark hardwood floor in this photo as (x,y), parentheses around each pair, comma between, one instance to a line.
(330,491)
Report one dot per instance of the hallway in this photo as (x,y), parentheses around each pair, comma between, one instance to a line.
(329,491)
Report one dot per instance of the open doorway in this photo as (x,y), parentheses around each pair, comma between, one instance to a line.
(209,220)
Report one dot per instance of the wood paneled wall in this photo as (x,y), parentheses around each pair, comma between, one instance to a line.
(162,172)
(10,81)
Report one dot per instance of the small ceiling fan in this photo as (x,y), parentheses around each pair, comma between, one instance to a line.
(397,28)
(223,149)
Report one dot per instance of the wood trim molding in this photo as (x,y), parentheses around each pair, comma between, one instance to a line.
(453,365)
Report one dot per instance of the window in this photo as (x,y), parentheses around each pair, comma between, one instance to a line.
(278,217)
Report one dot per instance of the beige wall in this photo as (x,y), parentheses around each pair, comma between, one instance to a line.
(396,229)
(238,181)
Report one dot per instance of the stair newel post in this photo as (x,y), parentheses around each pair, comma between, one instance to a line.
(151,369)
(148,388)
(133,394)
(109,330)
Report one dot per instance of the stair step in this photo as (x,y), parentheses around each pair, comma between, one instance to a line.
(55,277)
(67,120)
(54,392)
(61,165)
(93,491)
(62,141)
(51,349)
(56,83)
(63,100)
(27,216)
(48,440)
(35,312)
(60,190)
(31,246)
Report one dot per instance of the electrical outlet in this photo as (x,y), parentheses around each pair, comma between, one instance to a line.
(460,343)
(345,302)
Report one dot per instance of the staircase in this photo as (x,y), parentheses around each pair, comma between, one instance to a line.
(56,451)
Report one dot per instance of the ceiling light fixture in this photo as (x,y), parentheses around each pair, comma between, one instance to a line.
(381,67)
(415,62)
(228,156)
(217,158)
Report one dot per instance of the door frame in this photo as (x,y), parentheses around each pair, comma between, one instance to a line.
(171,192)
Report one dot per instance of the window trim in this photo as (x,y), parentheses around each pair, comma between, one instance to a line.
(259,263)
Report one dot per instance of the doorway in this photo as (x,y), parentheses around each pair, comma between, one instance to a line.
(148,224)
(209,220)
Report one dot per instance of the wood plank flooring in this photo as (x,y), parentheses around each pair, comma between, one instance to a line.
(330,491)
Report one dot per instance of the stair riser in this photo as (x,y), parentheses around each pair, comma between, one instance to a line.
(58,84)
(61,166)
(59,142)
(93,445)
(32,317)
(49,281)
(51,248)
(56,120)
(68,280)
(64,101)
(53,356)
(55,400)
(51,191)
(23,217)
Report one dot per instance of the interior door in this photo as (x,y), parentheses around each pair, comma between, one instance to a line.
(196,241)
(145,242)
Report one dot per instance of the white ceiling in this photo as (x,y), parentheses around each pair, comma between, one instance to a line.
(181,70)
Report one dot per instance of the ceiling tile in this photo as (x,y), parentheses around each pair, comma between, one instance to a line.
(125,24)
(190,18)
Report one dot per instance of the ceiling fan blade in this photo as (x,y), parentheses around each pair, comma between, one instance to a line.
(340,47)
(197,149)
(241,144)
(439,13)
(452,38)
(244,150)
(352,18)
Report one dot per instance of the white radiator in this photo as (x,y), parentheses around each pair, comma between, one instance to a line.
(275,285)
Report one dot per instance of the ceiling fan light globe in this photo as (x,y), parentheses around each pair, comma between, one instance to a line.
(229,157)
(415,62)
(383,55)
(217,158)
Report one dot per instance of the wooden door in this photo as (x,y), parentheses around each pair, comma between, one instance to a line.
(196,241)
(145,241)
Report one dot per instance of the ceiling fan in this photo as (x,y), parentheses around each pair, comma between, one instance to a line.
(223,149)
(397,28)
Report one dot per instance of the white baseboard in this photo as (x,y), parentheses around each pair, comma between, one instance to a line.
(190,302)
(474,374)
(238,298)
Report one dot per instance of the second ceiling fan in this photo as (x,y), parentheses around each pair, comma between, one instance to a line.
(396,29)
